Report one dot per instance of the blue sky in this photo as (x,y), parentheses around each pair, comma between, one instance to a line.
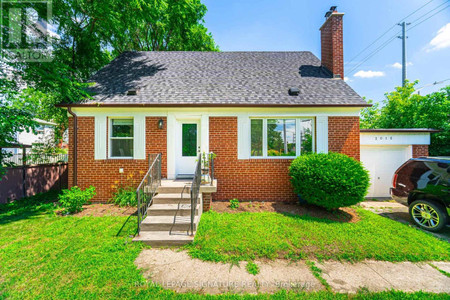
(293,25)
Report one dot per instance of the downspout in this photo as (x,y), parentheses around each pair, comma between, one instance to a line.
(75,148)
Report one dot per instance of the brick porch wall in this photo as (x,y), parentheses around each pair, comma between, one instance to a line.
(343,136)
(419,150)
(103,174)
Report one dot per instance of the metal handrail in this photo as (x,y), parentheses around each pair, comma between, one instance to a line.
(148,187)
(195,190)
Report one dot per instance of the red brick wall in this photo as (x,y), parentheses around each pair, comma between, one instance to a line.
(343,136)
(419,150)
(104,174)
(331,35)
(250,179)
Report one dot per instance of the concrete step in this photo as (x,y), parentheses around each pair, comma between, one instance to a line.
(170,210)
(173,189)
(171,198)
(163,238)
(166,223)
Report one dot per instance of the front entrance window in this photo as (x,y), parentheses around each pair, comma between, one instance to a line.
(189,140)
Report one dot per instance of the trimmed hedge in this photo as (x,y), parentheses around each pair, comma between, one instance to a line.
(330,180)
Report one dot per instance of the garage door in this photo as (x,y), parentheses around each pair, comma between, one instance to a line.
(382,162)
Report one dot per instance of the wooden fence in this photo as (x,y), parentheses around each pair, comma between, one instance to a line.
(24,181)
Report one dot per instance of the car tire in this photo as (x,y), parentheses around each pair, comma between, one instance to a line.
(425,213)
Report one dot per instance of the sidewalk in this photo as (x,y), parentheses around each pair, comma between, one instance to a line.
(176,270)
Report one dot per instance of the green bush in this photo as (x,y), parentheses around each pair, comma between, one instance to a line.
(125,196)
(330,180)
(73,200)
(234,203)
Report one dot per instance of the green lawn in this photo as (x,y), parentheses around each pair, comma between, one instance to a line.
(246,236)
(43,255)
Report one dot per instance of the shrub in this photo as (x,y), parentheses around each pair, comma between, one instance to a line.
(234,203)
(73,200)
(125,196)
(330,180)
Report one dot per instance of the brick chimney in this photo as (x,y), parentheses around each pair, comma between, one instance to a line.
(331,39)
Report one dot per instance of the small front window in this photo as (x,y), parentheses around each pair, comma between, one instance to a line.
(121,138)
(281,137)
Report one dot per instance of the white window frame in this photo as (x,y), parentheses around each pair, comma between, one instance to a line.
(297,140)
(110,138)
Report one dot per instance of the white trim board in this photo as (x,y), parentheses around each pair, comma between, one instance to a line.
(394,138)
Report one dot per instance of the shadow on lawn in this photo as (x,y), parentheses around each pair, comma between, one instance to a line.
(28,207)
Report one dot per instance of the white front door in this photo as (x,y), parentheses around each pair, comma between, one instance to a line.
(187,147)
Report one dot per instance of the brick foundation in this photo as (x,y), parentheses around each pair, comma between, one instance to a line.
(104,174)
(419,150)
(343,136)
(207,199)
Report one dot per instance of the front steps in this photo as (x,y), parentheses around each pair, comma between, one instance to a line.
(168,220)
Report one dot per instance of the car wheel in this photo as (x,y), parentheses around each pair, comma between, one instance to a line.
(428,215)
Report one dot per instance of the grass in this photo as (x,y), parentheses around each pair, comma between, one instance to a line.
(317,272)
(252,268)
(43,255)
(247,236)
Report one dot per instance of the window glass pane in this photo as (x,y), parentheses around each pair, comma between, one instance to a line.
(122,128)
(189,140)
(256,137)
(122,147)
(281,137)
(306,136)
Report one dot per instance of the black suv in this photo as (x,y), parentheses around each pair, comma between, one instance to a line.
(424,183)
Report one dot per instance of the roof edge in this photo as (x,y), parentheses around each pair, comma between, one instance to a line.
(204,105)
(399,130)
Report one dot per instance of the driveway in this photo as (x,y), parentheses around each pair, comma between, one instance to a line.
(399,212)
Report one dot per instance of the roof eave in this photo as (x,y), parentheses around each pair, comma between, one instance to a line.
(205,105)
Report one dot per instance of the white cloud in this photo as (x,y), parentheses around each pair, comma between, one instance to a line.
(441,40)
(398,65)
(369,74)
(346,79)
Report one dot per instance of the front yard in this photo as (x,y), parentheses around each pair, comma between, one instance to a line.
(246,236)
(44,255)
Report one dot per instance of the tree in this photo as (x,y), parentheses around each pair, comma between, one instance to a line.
(13,119)
(403,108)
(89,34)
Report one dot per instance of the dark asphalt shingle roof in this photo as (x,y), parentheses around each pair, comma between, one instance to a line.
(219,78)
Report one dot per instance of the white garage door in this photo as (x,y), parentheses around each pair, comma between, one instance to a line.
(382,162)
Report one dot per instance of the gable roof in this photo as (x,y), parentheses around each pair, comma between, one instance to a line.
(219,78)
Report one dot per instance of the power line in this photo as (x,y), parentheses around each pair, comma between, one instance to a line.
(429,17)
(430,11)
(374,52)
(393,37)
(382,35)
(431,84)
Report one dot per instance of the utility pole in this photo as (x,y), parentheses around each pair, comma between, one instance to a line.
(403,37)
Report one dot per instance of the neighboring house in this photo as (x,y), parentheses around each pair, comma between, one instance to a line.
(44,131)
(255,110)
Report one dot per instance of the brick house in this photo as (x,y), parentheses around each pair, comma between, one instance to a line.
(255,110)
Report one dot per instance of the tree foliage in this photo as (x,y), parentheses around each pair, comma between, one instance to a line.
(13,119)
(89,34)
(403,108)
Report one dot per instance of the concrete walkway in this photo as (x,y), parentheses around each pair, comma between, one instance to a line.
(176,270)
